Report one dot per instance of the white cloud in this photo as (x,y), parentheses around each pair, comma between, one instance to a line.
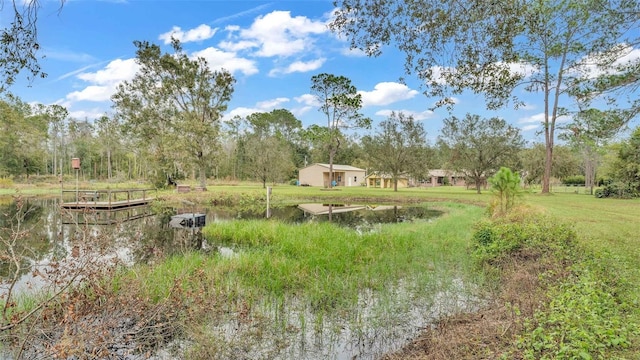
(524,69)
(93,113)
(418,116)
(299,66)
(78,71)
(619,56)
(279,34)
(63,102)
(202,32)
(299,111)
(92,93)
(530,127)
(237,46)
(217,59)
(308,100)
(262,106)
(438,74)
(239,111)
(104,82)
(386,93)
(272,104)
(116,71)
(352,52)
(537,120)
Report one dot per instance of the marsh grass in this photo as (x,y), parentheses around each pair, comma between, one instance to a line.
(302,277)
(331,264)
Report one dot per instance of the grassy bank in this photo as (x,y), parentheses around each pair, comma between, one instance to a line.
(556,298)
(608,232)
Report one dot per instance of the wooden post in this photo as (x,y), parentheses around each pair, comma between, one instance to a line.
(75,164)
(268,201)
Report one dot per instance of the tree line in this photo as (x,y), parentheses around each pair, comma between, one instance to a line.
(270,147)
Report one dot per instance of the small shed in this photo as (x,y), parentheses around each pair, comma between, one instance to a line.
(385,181)
(318,175)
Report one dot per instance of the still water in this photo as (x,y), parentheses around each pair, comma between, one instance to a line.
(144,233)
(140,235)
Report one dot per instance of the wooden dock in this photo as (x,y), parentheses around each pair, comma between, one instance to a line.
(87,216)
(106,199)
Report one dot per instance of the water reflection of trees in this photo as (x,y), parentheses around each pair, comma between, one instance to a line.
(51,235)
(24,235)
(156,238)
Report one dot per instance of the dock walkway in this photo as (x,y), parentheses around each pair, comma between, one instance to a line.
(106,199)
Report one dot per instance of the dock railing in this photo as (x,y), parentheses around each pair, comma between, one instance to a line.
(106,198)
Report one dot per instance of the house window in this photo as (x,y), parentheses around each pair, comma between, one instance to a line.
(339,178)
(355,179)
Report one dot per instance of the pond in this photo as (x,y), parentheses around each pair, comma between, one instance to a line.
(140,235)
(145,234)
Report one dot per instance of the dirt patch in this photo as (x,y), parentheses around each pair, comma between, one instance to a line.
(492,331)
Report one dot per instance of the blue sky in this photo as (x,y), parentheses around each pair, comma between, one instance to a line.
(272,49)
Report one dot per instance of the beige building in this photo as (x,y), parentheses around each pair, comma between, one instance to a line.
(385,181)
(439,177)
(318,175)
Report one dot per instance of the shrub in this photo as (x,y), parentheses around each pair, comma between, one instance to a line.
(496,239)
(576,180)
(6,183)
(616,190)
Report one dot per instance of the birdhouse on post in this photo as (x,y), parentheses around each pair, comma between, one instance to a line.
(75,163)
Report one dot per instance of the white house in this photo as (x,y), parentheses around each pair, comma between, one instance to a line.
(318,175)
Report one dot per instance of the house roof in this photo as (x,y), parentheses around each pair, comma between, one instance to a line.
(338,167)
(433,172)
(442,172)
(385,176)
